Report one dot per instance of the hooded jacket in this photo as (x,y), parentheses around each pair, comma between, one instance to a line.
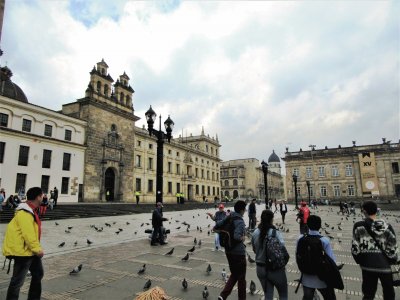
(367,253)
(22,233)
(260,249)
(239,232)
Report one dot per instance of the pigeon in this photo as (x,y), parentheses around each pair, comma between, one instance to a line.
(147,224)
(186,257)
(147,285)
(89,242)
(195,241)
(141,271)
(252,261)
(252,287)
(208,232)
(76,270)
(67,231)
(201,230)
(340,266)
(61,245)
(142,225)
(187,229)
(287,230)
(327,232)
(209,269)
(120,229)
(76,243)
(178,228)
(114,223)
(57,224)
(199,243)
(135,232)
(107,224)
(70,227)
(223,274)
(170,252)
(339,228)
(117,232)
(127,223)
(205,293)
(192,249)
(184,284)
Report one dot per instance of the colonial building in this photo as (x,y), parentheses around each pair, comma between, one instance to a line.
(191,167)
(244,179)
(345,172)
(38,146)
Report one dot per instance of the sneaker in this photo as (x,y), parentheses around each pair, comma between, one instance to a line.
(163,243)
(220,298)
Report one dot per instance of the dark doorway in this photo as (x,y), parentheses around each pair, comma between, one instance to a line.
(235,194)
(397,190)
(80,193)
(109,184)
(190,192)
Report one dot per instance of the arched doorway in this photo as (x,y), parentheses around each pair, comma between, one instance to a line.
(235,194)
(109,184)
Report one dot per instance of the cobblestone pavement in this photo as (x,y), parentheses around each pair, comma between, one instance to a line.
(111,262)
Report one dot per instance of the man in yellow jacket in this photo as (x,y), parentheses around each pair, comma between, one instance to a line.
(22,243)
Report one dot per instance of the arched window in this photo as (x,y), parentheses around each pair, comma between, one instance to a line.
(235,194)
(103,71)
(226,183)
(227,193)
(98,86)
(121,98)
(128,100)
(235,183)
(106,90)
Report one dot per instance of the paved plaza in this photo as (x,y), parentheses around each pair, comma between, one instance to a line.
(111,262)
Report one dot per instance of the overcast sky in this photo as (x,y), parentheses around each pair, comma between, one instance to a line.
(261,75)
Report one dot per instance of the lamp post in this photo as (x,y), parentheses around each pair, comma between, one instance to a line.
(161,137)
(264,167)
(308,189)
(295,189)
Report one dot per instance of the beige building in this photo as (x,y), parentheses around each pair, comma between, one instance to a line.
(244,179)
(191,166)
(345,172)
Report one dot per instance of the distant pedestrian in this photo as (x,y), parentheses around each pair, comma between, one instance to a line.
(218,216)
(283,210)
(341,207)
(137,195)
(43,206)
(2,199)
(302,217)
(22,243)
(276,206)
(374,248)
(55,195)
(157,223)
(252,214)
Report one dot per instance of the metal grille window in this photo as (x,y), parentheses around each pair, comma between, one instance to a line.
(20,182)
(23,155)
(26,125)
(45,183)
(309,172)
(321,171)
(68,135)
(323,191)
(335,171)
(138,184)
(64,185)
(46,161)
(349,170)
(2,150)
(350,190)
(4,120)
(48,130)
(336,190)
(66,161)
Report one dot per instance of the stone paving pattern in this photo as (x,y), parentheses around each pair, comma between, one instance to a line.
(111,263)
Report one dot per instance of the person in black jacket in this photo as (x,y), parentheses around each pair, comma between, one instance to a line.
(252,214)
(374,248)
(157,222)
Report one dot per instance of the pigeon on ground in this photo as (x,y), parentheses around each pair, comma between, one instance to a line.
(89,242)
(76,270)
(142,270)
(57,224)
(67,231)
(76,243)
(208,232)
(192,249)
(147,285)
(178,228)
(199,243)
(61,245)
(108,224)
(170,252)
(186,257)
(252,261)
(205,293)
(195,241)
(187,229)
(120,229)
(114,223)
(142,225)
(184,284)
(70,227)
(327,232)
(135,232)
(209,269)
(252,287)
(201,230)
(127,223)
(340,266)
(117,232)
(223,274)
(340,228)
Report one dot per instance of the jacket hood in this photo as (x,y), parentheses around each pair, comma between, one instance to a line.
(235,214)
(26,207)
(379,227)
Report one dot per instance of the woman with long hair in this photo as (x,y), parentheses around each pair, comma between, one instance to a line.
(268,278)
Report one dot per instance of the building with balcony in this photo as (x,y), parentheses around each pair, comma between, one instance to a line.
(345,172)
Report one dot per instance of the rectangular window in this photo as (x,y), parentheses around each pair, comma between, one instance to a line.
(217,176)
(349,170)
(214,190)
(48,130)
(335,171)
(213,176)
(202,173)
(178,187)
(217,187)
(395,167)
(66,162)
(2,151)
(169,167)
(196,171)
(169,187)
(68,135)
(350,190)
(308,172)
(336,190)
(138,185)
(296,172)
(197,189)
(20,182)
(178,169)
(26,125)
(64,185)
(150,146)
(311,191)
(321,171)
(45,183)
(177,154)
(150,186)
(138,161)
(139,143)
(4,120)
(323,191)
(150,163)
(208,175)
(203,190)
(208,190)
(23,155)
(46,161)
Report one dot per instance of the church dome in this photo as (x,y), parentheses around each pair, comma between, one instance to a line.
(273,157)
(8,88)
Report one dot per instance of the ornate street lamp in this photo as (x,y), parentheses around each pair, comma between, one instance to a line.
(295,189)
(264,167)
(161,136)
(308,189)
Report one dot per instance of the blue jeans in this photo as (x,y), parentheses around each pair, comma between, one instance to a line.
(21,267)
(270,279)
(217,244)
(157,236)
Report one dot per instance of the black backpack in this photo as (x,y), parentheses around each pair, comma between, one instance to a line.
(226,232)
(310,254)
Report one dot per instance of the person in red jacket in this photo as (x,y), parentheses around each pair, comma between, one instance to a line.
(302,216)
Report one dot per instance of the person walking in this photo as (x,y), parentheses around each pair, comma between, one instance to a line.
(311,282)
(137,195)
(237,254)
(43,206)
(283,209)
(302,216)
(268,278)
(157,222)
(276,206)
(2,199)
(218,216)
(55,196)
(374,248)
(22,243)
(252,214)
